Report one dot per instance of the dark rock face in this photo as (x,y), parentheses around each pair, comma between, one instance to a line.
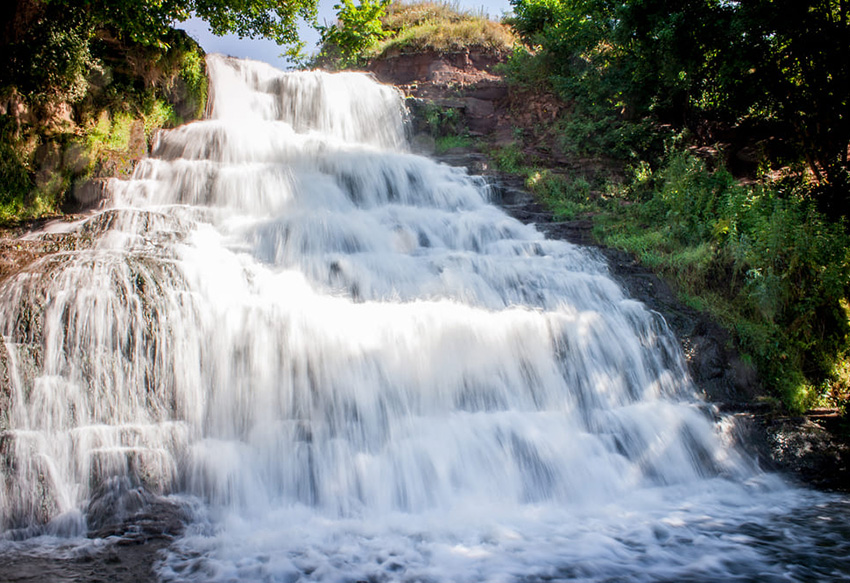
(127,550)
(463,81)
(431,66)
(89,194)
(810,447)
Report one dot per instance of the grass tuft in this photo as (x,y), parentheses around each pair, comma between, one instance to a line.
(441,27)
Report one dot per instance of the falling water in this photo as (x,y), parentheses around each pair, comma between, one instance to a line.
(352,367)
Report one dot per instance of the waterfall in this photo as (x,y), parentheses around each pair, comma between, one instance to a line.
(357,368)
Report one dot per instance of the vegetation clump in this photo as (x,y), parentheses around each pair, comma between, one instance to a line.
(440,27)
(760,257)
(378,28)
(88,114)
(85,84)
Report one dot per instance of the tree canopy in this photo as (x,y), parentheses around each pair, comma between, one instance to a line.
(146,21)
(780,65)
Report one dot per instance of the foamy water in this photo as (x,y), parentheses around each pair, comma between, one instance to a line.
(355,368)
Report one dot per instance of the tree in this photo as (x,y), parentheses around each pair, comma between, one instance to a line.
(47,46)
(779,65)
(805,49)
(358,27)
(146,21)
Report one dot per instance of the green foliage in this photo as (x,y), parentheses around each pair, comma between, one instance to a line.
(121,93)
(642,80)
(403,27)
(567,198)
(534,19)
(111,133)
(15,176)
(358,27)
(53,62)
(193,72)
(445,143)
(147,22)
(798,79)
(442,121)
(509,158)
(762,258)
(704,65)
(525,70)
(157,114)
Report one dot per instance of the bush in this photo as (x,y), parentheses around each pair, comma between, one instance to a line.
(357,28)
(15,175)
(566,198)
(761,258)
(53,62)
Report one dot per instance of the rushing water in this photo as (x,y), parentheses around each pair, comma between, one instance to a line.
(352,367)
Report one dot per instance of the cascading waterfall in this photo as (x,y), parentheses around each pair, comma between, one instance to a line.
(359,369)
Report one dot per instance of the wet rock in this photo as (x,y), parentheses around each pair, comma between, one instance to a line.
(120,508)
(744,376)
(130,528)
(89,194)
(423,143)
(708,362)
(809,447)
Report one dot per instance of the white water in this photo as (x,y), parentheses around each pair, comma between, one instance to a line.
(364,371)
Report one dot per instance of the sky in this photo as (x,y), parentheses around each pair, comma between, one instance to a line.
(268,51)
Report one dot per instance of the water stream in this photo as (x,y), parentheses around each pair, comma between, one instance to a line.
(349,366)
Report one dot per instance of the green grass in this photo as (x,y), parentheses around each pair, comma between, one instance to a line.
(446,37)
(445,143)
(417,27)
(441,27)
(510,158)
(566,197)
(761,259)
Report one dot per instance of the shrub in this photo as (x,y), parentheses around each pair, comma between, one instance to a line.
(357,28)
(53,62)
(761,258)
